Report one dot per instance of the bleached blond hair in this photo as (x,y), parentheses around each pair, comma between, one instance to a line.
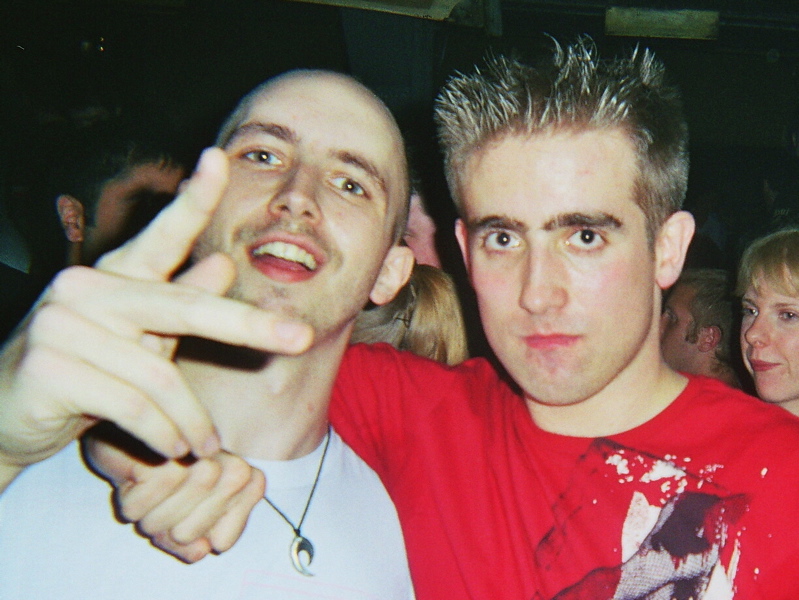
(574,90)
(772,259)
(425,318)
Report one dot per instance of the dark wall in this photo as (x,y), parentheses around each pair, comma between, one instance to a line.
(181,65)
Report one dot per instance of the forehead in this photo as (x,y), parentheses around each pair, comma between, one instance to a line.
(772,287)
(563,170)
(333,115)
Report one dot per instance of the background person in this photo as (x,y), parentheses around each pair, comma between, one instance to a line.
(110,184)
(697,323)
(424,318)
(420,234)
(768,281)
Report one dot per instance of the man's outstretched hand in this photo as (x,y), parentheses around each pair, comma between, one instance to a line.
(99,344)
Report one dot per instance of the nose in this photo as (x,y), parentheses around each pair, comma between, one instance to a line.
(544,283)
(756,334)
(296,196)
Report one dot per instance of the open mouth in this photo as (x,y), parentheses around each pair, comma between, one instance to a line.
(287,252)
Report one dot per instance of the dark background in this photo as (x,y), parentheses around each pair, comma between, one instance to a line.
(180,65)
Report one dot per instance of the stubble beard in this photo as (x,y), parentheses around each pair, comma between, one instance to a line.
(270,297)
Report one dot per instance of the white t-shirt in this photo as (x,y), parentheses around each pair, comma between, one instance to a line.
(59,539)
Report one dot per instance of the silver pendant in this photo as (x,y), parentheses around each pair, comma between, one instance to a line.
(301,545)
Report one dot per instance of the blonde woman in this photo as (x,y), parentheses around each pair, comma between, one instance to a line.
(424,318)
(768,281)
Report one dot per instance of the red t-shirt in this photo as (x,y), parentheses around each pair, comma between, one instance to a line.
(697,503)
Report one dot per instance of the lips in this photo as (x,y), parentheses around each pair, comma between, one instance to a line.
(760,366)
(288,252)
(550,341)
(287,260)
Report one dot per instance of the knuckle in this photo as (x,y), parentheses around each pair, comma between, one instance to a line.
(173,475)
(193,552)
(128,512)
(236,474)
(205,474)
(221,541)
(134,407)
(164,375)
(36,360)
(70,281)
(114,260)
(150,529)
(46,321)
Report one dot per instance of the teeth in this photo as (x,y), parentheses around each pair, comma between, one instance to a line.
(287,252)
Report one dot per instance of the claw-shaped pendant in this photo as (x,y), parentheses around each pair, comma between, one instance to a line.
(301,545)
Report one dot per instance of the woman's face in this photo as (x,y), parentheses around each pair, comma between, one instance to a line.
(770,344)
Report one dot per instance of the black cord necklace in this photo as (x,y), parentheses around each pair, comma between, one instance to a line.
(300,543)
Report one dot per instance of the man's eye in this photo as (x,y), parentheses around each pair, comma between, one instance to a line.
(263,156)
(586,239)
(788,315)
(501,240)
(345,184)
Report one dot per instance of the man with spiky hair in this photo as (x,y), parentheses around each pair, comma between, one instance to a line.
(600,472)
(606,474)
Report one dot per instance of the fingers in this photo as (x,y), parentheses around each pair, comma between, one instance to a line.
(166,242)
(190,553)
(131,308)
(230,526)
(214,274)
(187,511)
(112,378)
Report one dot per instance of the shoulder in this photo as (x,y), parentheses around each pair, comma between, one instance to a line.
(380,360)
(739,429)
(736,408)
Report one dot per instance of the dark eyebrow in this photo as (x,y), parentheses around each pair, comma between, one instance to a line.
(364,165)
(598,221)
(278,131)
(589,221)
(495,222)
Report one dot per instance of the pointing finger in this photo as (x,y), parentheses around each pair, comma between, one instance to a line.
(165,244)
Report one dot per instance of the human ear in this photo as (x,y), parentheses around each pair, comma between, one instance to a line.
(462,235)
(671,245)
(709,338)
(394,273)
(70,213)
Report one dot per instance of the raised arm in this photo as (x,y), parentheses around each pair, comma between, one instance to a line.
(99,343)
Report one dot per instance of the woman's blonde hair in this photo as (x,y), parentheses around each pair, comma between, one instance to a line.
(772,259)
(424,318)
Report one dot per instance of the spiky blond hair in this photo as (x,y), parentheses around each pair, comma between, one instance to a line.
(574,90)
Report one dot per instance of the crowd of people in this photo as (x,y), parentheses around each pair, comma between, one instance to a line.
(314,364)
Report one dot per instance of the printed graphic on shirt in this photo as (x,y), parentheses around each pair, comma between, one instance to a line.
(671,532)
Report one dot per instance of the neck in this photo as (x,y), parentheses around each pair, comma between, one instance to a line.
(724,373)
(74,253)
(633,397)
(792,406)
(264,406)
